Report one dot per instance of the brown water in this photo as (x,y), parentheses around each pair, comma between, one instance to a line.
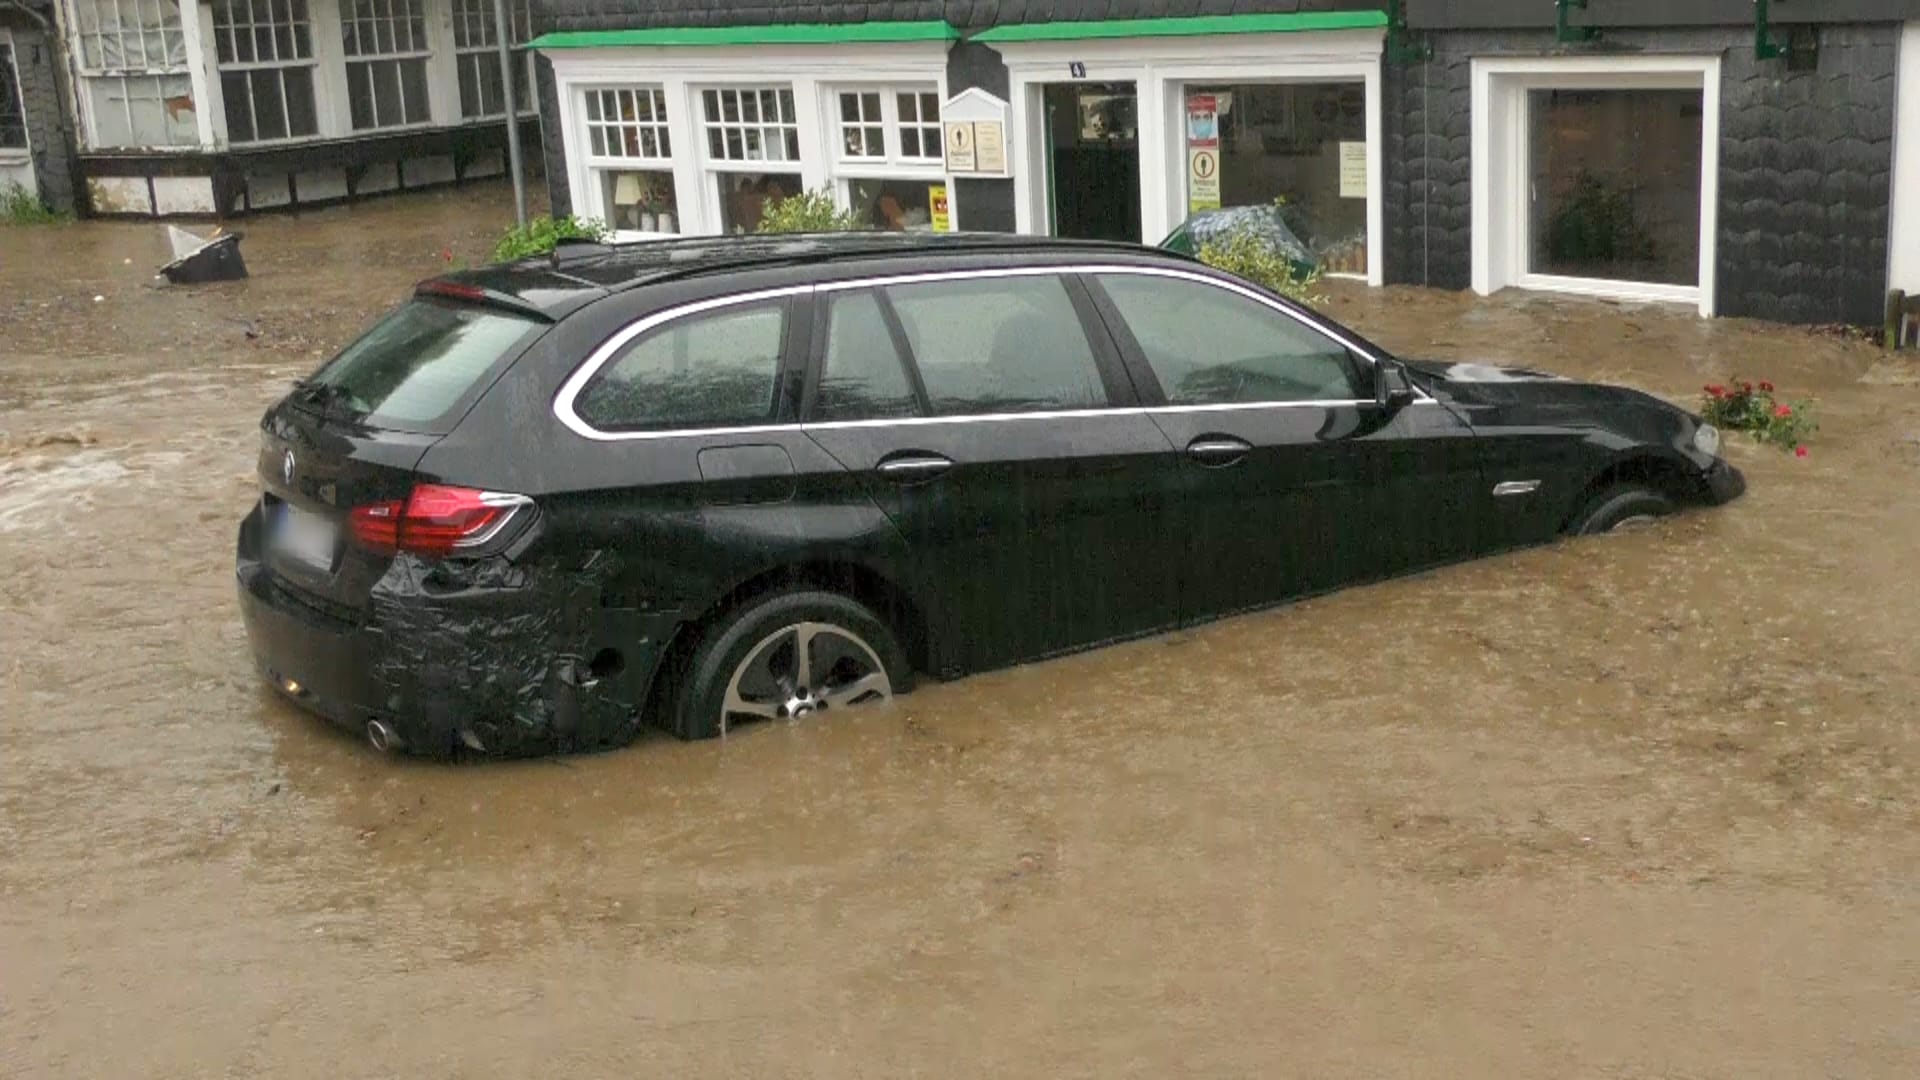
(1639,806)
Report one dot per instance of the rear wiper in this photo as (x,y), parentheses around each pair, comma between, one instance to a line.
(325,395)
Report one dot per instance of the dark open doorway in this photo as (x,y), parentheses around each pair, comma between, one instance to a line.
(1093,160)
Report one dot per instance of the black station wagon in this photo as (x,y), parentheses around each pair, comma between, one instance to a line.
(705,482)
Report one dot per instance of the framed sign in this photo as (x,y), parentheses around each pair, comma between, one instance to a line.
(974,124)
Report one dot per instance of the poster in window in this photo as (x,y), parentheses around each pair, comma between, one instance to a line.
(1353,170)
(937,205)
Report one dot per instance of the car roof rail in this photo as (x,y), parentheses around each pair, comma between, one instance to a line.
(707,255)
(573,249)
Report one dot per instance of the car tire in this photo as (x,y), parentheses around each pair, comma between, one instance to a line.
(1619,505)
(749,657)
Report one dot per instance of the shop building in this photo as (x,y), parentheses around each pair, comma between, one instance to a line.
(227,106)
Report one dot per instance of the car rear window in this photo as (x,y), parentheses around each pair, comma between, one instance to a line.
(411,370)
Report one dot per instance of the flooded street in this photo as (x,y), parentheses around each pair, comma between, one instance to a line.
(1643,805)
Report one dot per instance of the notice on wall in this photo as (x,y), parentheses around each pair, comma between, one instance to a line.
(973,124)
(990,146)
(938,209)
(1203,153)
(1203,178)
(960,147)
(1353,170)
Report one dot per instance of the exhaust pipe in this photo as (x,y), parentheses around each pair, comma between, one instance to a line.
(383,738)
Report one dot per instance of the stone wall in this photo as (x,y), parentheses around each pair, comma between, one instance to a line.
(47,124)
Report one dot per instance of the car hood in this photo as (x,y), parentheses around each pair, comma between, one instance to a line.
(1474,383)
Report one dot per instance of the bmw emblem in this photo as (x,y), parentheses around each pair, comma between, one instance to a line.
(286,467)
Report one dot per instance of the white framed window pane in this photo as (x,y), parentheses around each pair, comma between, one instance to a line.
(745,197)
(628,123)
(641,200)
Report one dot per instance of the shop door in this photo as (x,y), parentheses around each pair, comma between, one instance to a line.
(1093,160)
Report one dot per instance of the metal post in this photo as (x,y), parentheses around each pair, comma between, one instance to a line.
(513,113)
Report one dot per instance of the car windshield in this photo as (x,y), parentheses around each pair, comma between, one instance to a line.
(415,365)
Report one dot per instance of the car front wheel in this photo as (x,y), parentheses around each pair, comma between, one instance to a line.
(787,656)
(1620,506)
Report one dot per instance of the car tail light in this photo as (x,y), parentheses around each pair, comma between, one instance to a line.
(435,520)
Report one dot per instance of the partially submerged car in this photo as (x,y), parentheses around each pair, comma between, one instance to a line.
(702,482)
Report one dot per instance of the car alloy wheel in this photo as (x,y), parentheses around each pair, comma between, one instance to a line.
(803,669)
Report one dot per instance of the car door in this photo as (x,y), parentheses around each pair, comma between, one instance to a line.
(1295,480)
(986,415)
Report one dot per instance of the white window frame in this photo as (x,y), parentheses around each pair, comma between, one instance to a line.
(519,26)
(1160,68)
(426,50)
(1500,148)
(595,165)
(888,120)
(310,62)
(683,71)
(192,67)
(1903,236)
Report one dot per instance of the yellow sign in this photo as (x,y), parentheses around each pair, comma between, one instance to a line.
(1203,178)
(937,208)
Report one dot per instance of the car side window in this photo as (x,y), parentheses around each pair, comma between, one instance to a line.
(1208,345)
(706,370)
(862,376)
(998,345)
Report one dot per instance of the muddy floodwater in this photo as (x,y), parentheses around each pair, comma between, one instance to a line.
(1643,805)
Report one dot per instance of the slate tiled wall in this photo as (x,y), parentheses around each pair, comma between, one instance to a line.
(1806,163)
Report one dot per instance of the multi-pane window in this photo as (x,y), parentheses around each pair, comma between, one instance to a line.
(751,124)
(387,49)
(628,123)
(13,117)
(624,126)
(476,44)
(266,69)
(920,125)
(133,68)
(863,131)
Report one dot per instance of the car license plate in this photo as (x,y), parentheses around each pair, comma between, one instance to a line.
(305,536)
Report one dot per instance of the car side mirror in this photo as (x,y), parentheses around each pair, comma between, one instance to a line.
(1391,390)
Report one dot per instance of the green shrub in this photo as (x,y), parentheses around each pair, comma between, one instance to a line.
(18,206)
(542,234)
(1260,260)
(807,212)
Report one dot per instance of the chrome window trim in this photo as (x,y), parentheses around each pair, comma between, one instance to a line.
(563,402)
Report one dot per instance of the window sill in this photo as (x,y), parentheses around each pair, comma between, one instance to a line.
(1605,289)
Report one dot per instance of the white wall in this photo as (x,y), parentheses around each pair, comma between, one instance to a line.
(1903,247)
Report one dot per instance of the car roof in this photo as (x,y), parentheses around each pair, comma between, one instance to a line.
(578,273)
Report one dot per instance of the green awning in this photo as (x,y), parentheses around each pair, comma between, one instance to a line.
(1193,26)
(782,34)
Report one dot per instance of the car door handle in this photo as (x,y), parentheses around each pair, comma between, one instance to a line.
(1215,451)
(913,468)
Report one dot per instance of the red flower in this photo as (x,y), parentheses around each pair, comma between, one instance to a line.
(1746,387)
(1799,451)
(1783,411)
(446,254)
(1716,390)
(1767,386)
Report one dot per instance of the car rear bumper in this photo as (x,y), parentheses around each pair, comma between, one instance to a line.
(1724,483)
(505,669)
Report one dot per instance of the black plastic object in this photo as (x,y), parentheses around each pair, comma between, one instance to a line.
(217,259)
